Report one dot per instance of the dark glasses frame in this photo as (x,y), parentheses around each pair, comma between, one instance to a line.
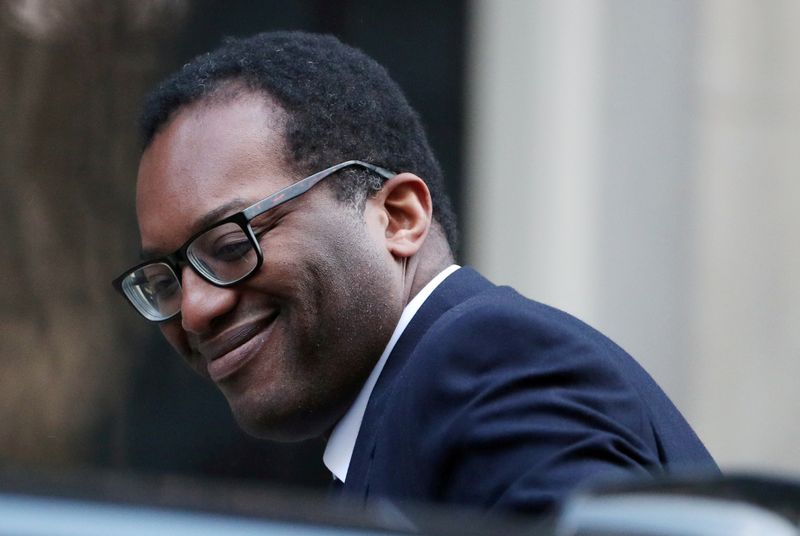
(242,219)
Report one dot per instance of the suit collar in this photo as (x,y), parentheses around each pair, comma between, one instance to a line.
(457,288)
(460,286)
(341,443)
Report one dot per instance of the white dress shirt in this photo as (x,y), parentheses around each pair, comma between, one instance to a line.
(342,441)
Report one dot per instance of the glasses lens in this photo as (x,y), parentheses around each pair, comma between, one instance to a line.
(225,254)
(154,290)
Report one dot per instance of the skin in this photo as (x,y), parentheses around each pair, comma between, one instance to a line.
(291,346)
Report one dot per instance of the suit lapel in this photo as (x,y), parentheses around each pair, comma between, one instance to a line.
(457,288)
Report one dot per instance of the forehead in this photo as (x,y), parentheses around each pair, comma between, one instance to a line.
(207,156)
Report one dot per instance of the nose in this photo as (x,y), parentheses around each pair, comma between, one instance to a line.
(202,302)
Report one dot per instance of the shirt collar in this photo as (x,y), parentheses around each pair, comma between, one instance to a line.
(342,441)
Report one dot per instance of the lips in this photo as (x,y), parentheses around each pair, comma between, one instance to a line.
(232,349)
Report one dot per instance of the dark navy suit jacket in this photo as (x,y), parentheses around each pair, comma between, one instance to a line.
(499,402)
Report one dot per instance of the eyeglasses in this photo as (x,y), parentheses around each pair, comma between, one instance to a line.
(224,254)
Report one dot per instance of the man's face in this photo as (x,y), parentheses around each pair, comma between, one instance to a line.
(291,346)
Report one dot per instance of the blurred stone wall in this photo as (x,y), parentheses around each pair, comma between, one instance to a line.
(71,77)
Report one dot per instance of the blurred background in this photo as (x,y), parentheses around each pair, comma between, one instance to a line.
(631,162)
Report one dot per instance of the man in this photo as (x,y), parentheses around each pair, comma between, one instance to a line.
(330,306)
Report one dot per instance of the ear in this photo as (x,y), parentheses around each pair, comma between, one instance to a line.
(404,204)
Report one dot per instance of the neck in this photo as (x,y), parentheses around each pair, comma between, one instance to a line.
(433,257)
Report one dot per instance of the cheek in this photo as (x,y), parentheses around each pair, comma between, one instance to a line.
(176,337)
(173,332)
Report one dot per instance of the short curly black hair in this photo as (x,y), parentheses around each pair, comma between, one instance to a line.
(340,105)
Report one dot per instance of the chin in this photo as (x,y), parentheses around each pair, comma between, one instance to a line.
(285,428)
(281,432)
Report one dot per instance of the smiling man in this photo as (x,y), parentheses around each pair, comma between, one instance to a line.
(291,341)
(298,251)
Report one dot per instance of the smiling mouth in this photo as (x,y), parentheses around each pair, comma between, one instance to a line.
(233,349)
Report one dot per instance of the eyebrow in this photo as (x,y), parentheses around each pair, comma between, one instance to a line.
(207,220)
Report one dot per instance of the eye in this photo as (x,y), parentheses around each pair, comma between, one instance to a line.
(222,244)
(162,287)
(231,250)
